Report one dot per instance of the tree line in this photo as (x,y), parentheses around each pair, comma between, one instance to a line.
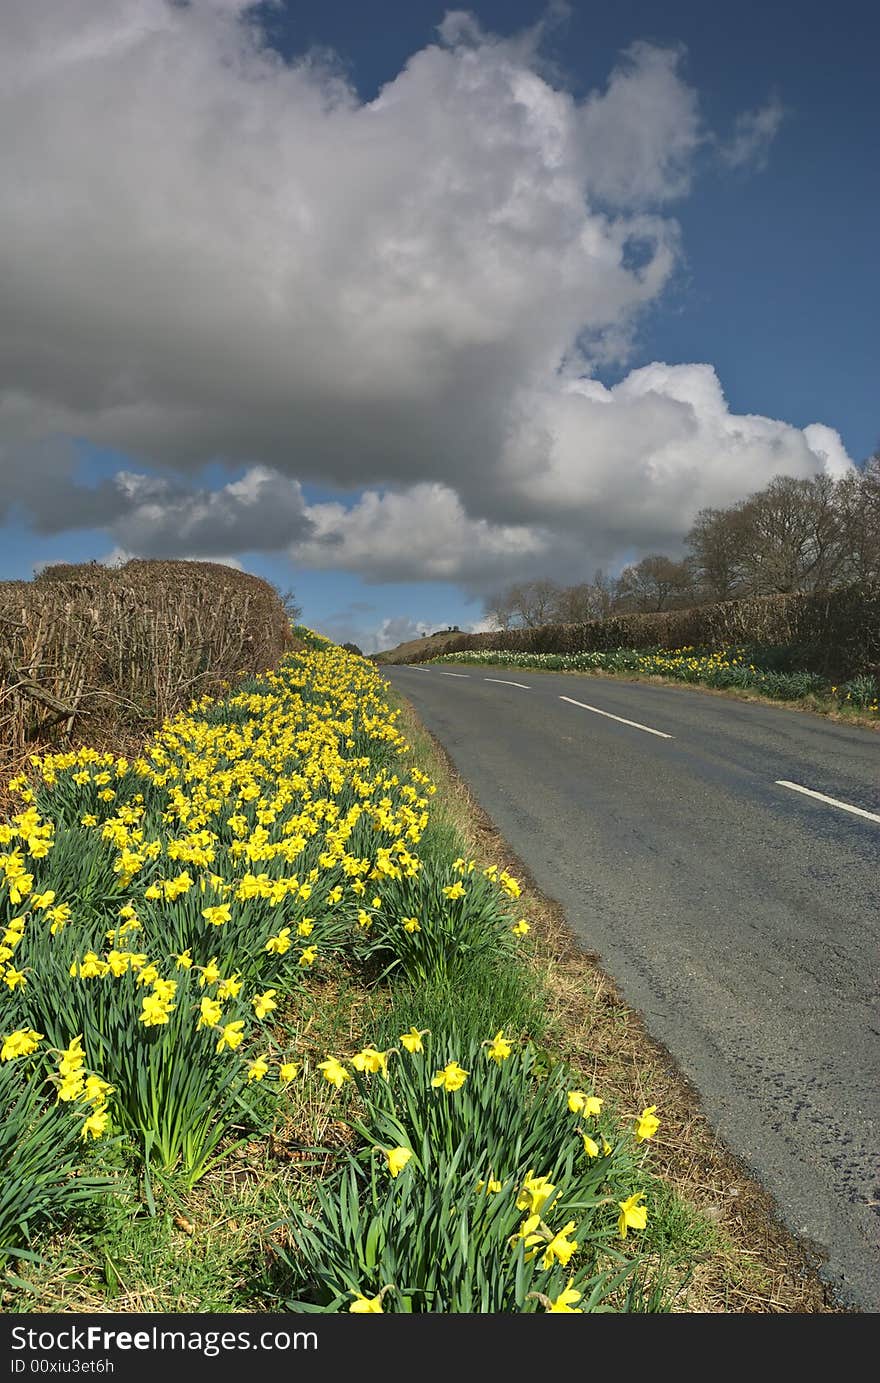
(794,535)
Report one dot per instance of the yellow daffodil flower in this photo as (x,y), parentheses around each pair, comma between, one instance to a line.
(452,1077)
(632,1215)
(648,1123)
(499,1048)
(397,1159)
(334,1072)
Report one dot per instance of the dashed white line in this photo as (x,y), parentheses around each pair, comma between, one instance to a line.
(634,723)
(504,683)
(454,674)
(832,801)
(419,669)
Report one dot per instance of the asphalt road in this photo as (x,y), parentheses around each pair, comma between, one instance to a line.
(739,916)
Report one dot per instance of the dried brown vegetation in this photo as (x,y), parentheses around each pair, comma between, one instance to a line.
(102,655)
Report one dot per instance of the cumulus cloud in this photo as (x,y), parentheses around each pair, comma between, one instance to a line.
(156,516)
(420,534)
(754,132)
(208,253)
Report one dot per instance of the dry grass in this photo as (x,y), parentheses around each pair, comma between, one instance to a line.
(755,1265)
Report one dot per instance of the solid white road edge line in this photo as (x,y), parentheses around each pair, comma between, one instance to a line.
(634,723)
(504,683)
(453,674)
(832,801)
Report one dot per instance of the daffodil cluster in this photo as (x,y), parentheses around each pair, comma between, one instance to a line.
(485,1183)
(737,667)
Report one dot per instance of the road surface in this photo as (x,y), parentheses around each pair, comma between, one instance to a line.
(721,857)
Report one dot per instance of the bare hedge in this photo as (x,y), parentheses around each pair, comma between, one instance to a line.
(88,652)
(835,633)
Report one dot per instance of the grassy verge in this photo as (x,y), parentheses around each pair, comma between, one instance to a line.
(722,673)
(297,1209)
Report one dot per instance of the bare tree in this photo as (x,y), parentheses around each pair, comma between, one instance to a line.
(791,536)
(656,583)
(716,541)
(499,608)
(857,500)
(603,587)
(577,604)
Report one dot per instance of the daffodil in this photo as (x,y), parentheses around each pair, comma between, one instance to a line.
(591,1147)
(96,1124)
(581,1103)
(561,1247)
(210,973)
(371,1061)
(288,1071)
(529,1232)
(534,1193)
(210,1013)
(334,1072)
(452,1077)
(155,1011)
(264,1003)
(499,1048)
(278,944)
(632,1215)
(397,1159)
(412,1040)
(565,1300)
(453,891)
(648,1123)
(231,1035)
(367,1306)
(258,1068)
(20,1043)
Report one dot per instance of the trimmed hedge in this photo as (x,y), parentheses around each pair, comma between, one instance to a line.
(833,633)
(95,651)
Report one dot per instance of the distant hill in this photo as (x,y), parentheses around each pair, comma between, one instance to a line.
(417,648)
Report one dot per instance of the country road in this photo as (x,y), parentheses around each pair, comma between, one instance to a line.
(721,857)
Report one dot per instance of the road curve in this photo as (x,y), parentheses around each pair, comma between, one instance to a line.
(721,857)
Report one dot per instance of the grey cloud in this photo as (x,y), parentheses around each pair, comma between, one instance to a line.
(153,516)
(208,254)
(350,293)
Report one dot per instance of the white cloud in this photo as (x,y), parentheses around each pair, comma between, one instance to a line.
(208,254)
(640,135)
(754,132)
(420,534)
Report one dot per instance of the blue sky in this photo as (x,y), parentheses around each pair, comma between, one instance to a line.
(357,304)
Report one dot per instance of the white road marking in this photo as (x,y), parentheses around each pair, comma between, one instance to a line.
(505,683)
(419,669)
(635,724)
(832,801)
(454,674)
